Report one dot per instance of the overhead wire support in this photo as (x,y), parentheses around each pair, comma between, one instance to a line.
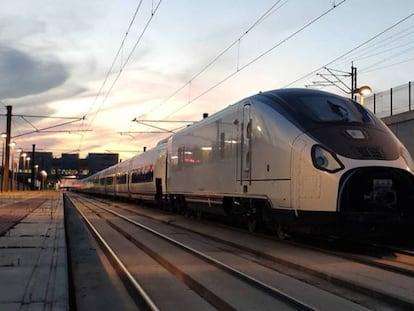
(44,117)
(164,121)
(162,130)
(49,127)
(37,130)
(336,74)
(139,132)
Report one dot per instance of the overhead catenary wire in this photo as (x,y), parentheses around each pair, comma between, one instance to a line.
(127,60)
(351,50)
(116,56)
(111,67)
(314,20)
(153,12)
(388,66)
(273,8)
(372,49)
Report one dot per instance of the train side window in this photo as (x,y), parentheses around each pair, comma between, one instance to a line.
(121,178)
(143,175)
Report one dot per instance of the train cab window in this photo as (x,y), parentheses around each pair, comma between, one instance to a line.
(332,109)
(309,110)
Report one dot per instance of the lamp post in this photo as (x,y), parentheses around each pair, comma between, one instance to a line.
(18,167)
(28,164)
(12,146)
(43,176)
(28,170)
(24,155)
(36,181)
(3,139)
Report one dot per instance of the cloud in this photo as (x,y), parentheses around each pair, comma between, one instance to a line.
(24,75)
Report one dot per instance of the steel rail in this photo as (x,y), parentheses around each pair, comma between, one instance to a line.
(371,292)
(235,272)
(147,300)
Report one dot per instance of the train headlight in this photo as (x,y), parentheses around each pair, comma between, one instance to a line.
(325,160)
(407,158)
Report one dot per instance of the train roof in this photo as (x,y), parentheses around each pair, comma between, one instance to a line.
(295,91)
(258,96)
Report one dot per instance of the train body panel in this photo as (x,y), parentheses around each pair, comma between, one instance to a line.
(238,152)
(282,157)
(122,178)
(147,174)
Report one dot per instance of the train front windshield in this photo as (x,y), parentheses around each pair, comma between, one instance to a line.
(328,109)
(339,123)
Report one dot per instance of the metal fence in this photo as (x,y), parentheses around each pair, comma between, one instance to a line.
(393,101)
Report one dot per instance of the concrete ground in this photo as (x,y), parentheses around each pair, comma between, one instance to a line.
(33,259)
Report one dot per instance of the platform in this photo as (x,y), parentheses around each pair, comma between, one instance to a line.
(33,258)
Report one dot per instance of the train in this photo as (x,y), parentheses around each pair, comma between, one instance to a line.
(286,159)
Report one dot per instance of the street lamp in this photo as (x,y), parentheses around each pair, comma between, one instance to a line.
(362,91)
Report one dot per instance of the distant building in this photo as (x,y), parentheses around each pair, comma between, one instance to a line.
(69,165)
(98,161)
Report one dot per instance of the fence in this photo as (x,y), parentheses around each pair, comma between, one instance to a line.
(393,101)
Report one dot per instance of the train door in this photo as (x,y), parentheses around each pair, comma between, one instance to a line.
(245,155)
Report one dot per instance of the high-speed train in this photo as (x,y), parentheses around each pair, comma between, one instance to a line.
(288,158)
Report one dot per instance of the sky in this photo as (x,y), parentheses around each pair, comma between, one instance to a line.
(77,73)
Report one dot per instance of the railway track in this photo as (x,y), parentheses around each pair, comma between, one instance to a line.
(388,257)
(258,260)
(257,293)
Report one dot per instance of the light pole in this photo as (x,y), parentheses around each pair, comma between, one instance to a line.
(43,176)
(18,167)
(3,138)
(24,155)
(12,146)
(28,164)
(36,181)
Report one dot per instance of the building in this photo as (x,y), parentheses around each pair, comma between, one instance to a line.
(98,161)
(44,169)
